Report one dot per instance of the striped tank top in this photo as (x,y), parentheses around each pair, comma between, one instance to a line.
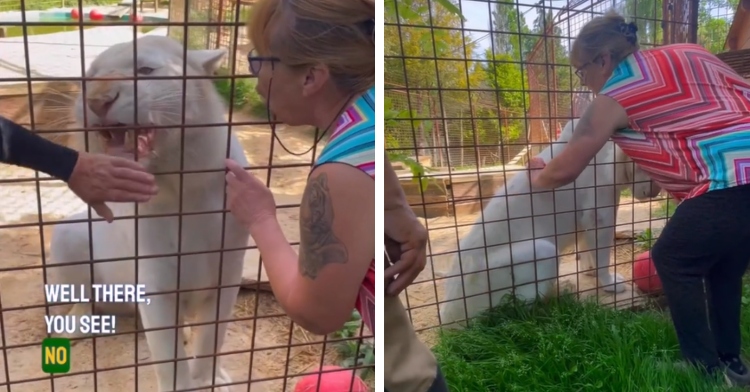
(689,117)
(353,143)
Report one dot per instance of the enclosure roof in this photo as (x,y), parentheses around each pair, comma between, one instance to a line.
(739,60)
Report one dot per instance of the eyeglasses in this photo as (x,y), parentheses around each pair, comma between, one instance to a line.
(256,62)
(579,70)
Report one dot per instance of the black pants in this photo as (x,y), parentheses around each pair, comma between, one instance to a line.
(706,244)
(439,385)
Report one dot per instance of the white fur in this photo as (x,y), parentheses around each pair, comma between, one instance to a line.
(521,229)
(160,102)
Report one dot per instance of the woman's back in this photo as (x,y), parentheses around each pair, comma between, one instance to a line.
(684,106)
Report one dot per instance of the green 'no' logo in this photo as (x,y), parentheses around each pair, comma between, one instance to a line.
(56,355)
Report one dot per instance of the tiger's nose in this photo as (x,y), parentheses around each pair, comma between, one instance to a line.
(100,106)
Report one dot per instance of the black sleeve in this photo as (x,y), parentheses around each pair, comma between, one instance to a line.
(21,147)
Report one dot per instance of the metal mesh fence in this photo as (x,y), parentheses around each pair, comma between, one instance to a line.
(475,88)
(42,223)
(46,5)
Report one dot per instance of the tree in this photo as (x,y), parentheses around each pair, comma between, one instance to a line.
(713,28)
(431,60)
(504,75)
(510,32)
(647,15)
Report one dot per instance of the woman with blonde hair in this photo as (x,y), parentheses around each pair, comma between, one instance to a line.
(315,65)
(683,116)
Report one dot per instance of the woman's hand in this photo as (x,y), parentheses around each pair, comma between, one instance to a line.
(250,200)
(99,178)
(536,164)
(403,227)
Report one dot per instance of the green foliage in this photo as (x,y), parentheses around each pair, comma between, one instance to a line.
(646,239)
(435,72)
(390,115)
(713,29)
(505,76)
(419,40)
(506,18)
(242,95)
(647,15)
(355,352)
(665,210)
(447,69)
(450,7)
(408,10)
(713,21)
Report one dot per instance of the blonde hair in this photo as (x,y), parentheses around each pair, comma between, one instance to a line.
(608,33)
(337,33)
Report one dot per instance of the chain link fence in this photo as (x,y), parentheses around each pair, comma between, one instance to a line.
(475,88)
(253,346)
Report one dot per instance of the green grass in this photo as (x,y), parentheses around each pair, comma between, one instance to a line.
(666,209)
(569,346)
(646,239)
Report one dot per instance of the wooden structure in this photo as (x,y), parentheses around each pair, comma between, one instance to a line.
(454,194)
(229,32)
(737,44)
(50,102)
(739,60)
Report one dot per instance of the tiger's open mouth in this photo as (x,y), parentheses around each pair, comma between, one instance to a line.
(122,139)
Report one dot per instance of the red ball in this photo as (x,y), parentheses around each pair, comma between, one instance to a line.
(331,381)
(138,18)
(645,276)
(74,13)
(95,15)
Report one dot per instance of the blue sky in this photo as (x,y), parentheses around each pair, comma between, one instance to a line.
(478,15)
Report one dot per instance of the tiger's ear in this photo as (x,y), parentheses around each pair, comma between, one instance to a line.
(209,59)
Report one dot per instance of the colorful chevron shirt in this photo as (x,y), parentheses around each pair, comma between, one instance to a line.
(353,143)
(689,117)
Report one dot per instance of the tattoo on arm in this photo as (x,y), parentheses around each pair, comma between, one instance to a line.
(319,246)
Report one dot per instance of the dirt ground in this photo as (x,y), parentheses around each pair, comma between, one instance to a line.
(422,297)
(269,336)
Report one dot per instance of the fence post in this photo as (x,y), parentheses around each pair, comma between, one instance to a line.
(693,23)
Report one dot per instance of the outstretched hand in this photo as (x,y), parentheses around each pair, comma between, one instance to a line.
(99,178)
(536,164)
(250,200)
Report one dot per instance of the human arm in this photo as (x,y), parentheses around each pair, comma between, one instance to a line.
(318,287)
(402,226)
(600,120)
(21,147)
(94,178)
